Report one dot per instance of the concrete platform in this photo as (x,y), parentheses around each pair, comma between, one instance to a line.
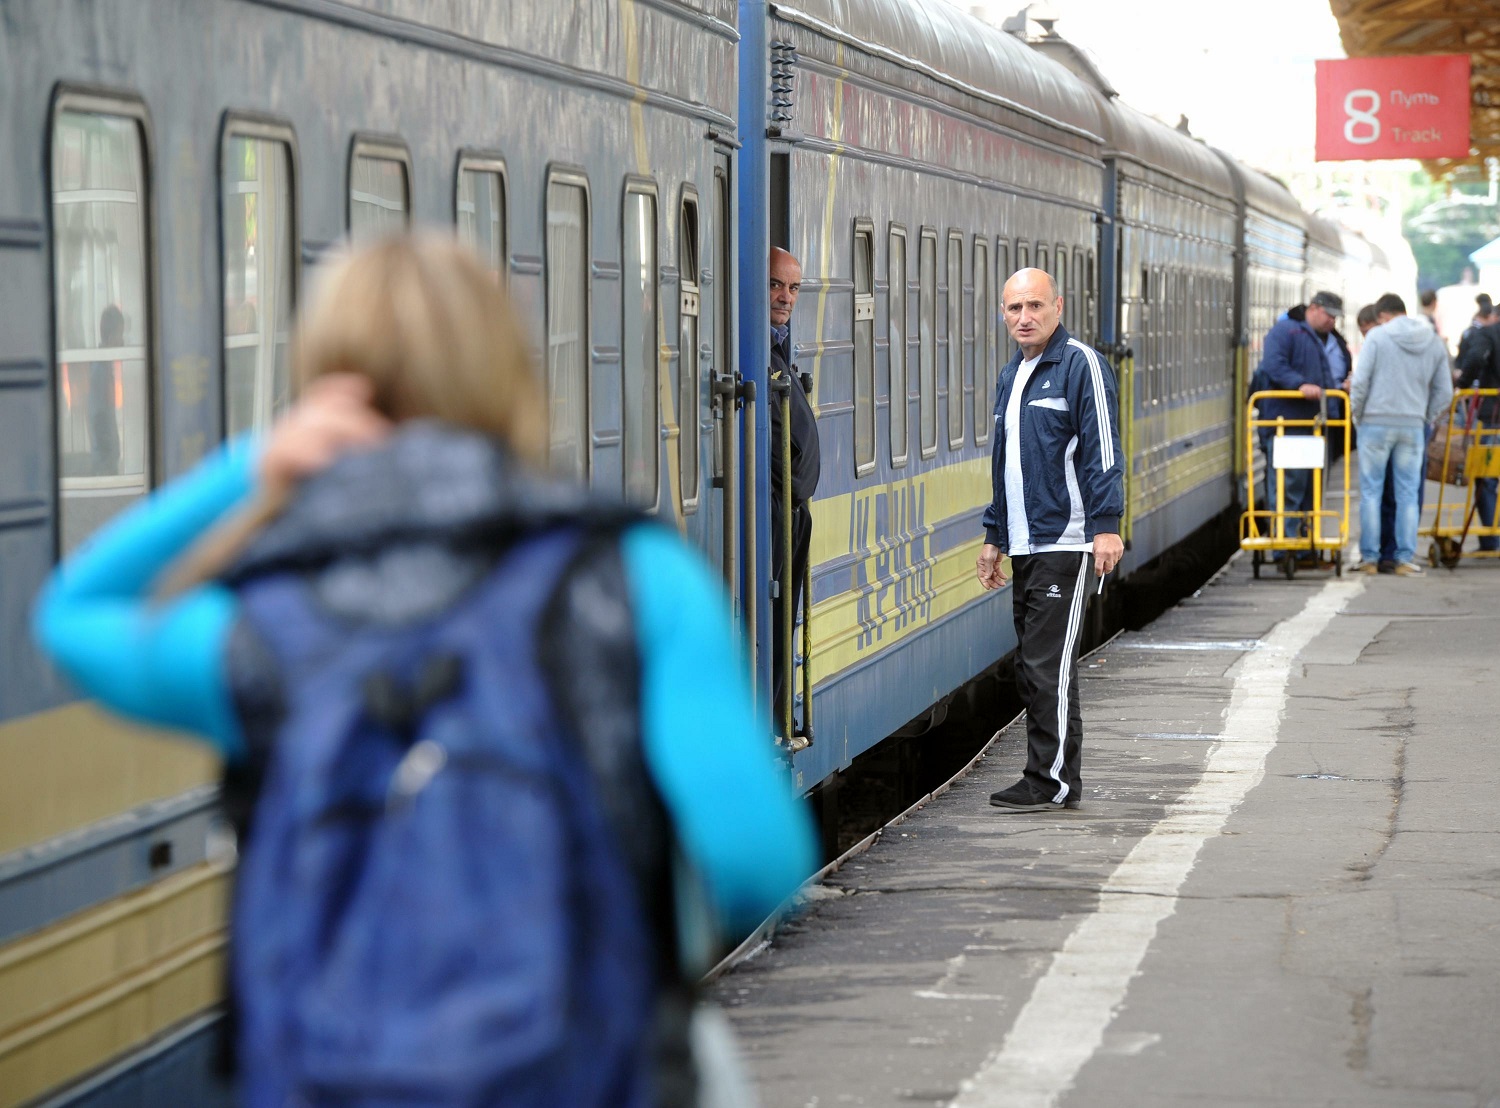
(1283,887)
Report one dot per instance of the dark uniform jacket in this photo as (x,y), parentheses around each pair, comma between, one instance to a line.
(1479,368)
(805,456)
(1072,470)
(1293,356)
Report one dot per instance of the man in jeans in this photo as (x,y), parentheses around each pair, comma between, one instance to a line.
(1401,384)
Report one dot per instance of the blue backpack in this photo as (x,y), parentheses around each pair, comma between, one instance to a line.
(433,907)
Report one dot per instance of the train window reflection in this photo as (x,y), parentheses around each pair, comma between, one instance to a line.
(897,329)
(479,206)
(259,244)
(568,322)
(1085,264)
(379,192)
(640,345)
(984,341)
(1069,319)
(864,349)
(955,340)
(927,342)
(99,219)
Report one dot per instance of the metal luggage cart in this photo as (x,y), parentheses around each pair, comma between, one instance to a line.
(1479,448)
(1302,537)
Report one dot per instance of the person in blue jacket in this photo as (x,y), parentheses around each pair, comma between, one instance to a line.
(417,445)
(1295,358)
(1059,492)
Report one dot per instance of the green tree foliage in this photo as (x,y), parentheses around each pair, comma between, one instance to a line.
(1444,225)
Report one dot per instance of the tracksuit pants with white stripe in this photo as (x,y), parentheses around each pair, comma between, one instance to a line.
(1049,596)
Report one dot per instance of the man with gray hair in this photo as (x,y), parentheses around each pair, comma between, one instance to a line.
(1057,475)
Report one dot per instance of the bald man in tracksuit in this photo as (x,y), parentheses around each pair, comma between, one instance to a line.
(1058,497)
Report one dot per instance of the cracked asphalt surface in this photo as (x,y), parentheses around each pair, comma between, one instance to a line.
(1338,943)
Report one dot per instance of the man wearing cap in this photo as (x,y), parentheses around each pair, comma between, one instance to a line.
(1295,358)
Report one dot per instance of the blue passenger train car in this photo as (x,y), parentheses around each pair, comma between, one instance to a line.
(175,168)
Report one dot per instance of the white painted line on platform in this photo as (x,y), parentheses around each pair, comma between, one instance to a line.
(1062,1025)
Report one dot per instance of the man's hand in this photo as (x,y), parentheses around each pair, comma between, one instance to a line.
(1312,392)
(1108,550)
(988,567)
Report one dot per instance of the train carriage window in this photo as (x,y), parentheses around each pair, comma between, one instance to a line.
(568,321)
(1146,355)
(1023,256)
(640,346)
(259,229)
(896,331)
(955,340)
(1163,328)
(1002,273)
(1043,259)
(100,220)
(984,341)
(479,210)
(1069,322)
(723,302)
(1169,335)
(1181,331)
(864,348)
(1091,297)
(1184,334)
(1194,342)
(927,341)
(687,346)
(379,189)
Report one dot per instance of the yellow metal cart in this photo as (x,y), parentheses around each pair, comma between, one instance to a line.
(1469,441)
(1300,536)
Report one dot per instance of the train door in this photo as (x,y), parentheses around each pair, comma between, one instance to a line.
(723,400)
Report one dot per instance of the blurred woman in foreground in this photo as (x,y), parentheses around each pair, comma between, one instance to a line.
(476,712)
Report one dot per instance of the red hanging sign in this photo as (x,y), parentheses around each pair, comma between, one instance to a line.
(1408,107)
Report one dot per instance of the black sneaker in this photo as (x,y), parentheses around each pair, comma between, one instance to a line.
(1020,797)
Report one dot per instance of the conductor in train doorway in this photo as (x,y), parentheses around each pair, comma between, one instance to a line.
(1058,495)
(786,283)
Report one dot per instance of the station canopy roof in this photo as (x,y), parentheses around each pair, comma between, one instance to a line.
(1380,28)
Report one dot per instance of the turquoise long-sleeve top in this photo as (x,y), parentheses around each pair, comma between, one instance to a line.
(747,834)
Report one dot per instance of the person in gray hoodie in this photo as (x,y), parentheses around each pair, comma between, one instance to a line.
(1401,384)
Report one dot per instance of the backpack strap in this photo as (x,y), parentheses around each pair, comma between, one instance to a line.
(589,655)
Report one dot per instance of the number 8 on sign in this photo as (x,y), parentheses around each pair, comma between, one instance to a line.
(1365,117)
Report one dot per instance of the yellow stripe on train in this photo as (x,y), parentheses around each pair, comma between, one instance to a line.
(903,586)
(83,992)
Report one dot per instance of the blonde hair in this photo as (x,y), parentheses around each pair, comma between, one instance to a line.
(419,318)
(428,327)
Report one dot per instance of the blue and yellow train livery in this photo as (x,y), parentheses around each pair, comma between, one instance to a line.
(175,169)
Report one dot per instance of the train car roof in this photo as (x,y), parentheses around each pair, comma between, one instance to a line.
(1264,193)
(954,47)
(1358,248)
(1325,233)
(1150,141)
